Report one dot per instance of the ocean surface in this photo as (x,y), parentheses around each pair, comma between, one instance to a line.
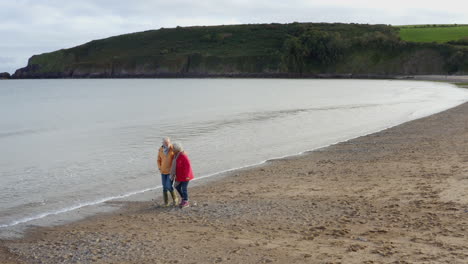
(68,144)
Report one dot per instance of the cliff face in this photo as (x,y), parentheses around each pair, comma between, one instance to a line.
(270,50)
(180,66)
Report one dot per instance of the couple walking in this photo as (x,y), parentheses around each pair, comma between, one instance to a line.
(176,172)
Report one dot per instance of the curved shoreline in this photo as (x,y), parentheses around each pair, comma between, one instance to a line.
(103,200)
(425,151)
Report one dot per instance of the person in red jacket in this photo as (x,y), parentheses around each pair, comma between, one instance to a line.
(181,172)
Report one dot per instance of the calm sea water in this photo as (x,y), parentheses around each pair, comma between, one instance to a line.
(65,144)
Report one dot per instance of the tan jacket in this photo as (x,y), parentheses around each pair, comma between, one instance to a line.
(165,161)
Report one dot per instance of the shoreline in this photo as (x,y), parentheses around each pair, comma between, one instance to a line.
(40,239)
(40,219)
(350,76)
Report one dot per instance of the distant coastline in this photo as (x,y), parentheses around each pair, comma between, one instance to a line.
(295,50)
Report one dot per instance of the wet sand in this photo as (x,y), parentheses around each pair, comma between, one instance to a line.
(397,196)
(440,78)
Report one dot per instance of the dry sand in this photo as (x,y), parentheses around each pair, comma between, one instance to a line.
(397,196)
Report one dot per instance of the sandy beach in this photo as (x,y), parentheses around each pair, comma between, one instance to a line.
(397,196)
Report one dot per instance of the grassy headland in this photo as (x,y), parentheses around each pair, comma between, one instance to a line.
(434,33)
(462,85)
(263,50)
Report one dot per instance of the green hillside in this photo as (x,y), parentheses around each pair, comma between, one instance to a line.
(263,50)
(434,33)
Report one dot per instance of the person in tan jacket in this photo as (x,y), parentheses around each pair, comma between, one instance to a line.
(165,157)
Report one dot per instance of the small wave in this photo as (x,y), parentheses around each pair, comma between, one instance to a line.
(75,207)
(197,128)
(17,133)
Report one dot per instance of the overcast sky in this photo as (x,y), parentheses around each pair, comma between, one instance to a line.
(29,27)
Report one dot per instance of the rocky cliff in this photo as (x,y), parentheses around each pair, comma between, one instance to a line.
(267,50)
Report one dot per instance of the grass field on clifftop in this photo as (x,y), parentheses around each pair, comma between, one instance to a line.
(433,33)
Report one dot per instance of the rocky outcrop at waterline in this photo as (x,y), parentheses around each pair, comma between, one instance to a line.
(4,75)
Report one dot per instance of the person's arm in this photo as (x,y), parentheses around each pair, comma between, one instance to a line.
(159,160)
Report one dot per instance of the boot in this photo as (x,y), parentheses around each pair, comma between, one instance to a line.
(166,199)
(175,198)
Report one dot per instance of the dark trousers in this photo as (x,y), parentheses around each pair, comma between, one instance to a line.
(182,189)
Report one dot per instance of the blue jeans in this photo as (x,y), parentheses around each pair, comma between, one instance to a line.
(166,183)
(182,189)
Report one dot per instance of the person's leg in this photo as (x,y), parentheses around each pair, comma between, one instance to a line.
(175,198)
(178,188)
(170,187)
(184,189)
(163,182)
(184,195)
(166,181)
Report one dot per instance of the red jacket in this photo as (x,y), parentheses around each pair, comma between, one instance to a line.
(183,168)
